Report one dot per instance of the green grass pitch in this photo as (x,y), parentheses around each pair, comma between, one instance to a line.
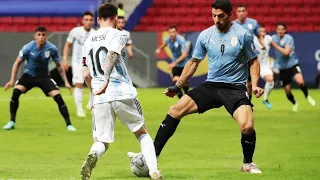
(205,146)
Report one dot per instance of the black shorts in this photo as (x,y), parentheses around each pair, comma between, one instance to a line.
(286,75)
(177,71)
(46,84)
(210,95)
(249,75)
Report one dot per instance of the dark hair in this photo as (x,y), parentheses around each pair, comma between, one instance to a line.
(120,17)
(40,29)
(282,24)
(262,26)
(224,5)
(120,6)
(107,10)
(173,27)
(88,13)
(242,5)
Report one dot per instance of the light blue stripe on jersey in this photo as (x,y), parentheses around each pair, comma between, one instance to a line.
(282,61)
(228,53)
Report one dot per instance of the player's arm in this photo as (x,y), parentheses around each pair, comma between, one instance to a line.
(285,51)
(66,49)
(87,77)
(254,71)
(61,71)
(129,47)
(158,50)
(14,71)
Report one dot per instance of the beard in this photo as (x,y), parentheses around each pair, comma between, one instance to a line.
(223,27)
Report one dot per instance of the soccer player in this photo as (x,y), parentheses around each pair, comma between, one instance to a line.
(37,53)
(230,50)
(120,25)
(76,38)
(177,45)
(114,94)
(253,27)
(265,68)
(288,64)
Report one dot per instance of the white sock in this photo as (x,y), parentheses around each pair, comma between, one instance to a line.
(267,89)
(99,147)
(89,102)
(149,153)
(78,98)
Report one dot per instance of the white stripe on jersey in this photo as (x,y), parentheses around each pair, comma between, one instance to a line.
(263,55)
(94,52)
(77,37)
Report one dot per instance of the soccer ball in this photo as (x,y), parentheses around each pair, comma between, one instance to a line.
(138,166)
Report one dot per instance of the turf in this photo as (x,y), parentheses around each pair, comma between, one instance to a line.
(205,146)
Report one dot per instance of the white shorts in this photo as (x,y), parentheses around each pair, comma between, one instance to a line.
(77,74)
(104,117)
(265,70)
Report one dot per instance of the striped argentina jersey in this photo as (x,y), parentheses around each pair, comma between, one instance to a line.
(95,51)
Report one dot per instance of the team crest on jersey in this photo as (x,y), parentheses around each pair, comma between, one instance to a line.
(234,40)
(250,26)
(282,43)
(47,54)
(176,44)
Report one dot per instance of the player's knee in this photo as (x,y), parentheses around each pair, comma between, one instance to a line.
(140,132)
(54,93)
(247,128)
(176,112)
(16,94)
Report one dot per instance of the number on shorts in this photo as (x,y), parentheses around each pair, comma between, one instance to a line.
(96,60)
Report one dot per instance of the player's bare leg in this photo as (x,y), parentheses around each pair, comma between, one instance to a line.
(249,89)
(14,105)
(78,96)
(174,80)
(267,89)
(62,108)
(299,80)
(97,150)
(244,116)
(287,89)
(148,151)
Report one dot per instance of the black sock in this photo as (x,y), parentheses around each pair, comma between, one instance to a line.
(165,131)
(186,89)
(14,104)
(248,143)
(179,94)
(62,108)
(304,90)
(291,98)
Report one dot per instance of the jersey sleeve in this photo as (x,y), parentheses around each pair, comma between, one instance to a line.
(289,42)
(55,54)
(118,43)
(249,47)
(166,41)
(183,44)
(24,52)
(274,38)
(200,50)
(72,36)
(257,29)
(84,56)
(269,39)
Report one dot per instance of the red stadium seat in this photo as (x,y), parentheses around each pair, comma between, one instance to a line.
(32,20)
(166,11)
(269,2)
(294,28)
(181,11)
(58,20)
(312,19)
(18,20)
(306,28)
(160,20)
(187,3)
(276,10)
(6,20)
(45,20)
(72,20)
(290,10)
(11,28)
(264,9)
(296,2)
(315,10)
(317,28)
(310,2)
(305,10)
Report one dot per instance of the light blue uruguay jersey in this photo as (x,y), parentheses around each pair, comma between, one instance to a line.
(228,53)
(251,25)
(177,46)
(38,60)
(282,61)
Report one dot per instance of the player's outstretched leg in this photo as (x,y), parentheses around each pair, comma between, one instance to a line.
(62,108)
(267,90)
(299,79)
(148,152)
(287,89)
(244,116)
(14,105)
(97,150)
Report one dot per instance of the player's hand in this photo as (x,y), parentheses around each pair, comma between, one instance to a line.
(171,66)
(130,55)
(257,91)
(263,47)
(171,91)
(102,89)
(8,85)
(65,64)
(157,51)
(69,87)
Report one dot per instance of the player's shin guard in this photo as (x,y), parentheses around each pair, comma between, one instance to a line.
(165,131)
(291,98)
(62,108)
(304,90)
(147,149)
(267,88)
(248,143)
(14,104)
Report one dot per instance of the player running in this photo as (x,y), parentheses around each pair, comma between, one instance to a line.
(37,53)
(177,45)
(114,94)
(121,23)
(265,68)
(288,64)
(76,38)
(230,51)
(252,26)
